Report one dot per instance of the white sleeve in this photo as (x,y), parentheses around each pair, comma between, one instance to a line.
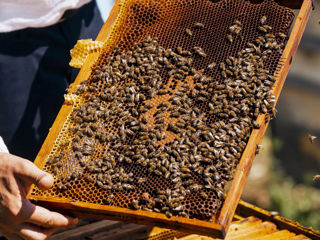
(3,147)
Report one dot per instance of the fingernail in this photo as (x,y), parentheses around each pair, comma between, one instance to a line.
(46,181)
(47,177)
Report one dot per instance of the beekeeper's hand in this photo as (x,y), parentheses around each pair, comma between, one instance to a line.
(19,218)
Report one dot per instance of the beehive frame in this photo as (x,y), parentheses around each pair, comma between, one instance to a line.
(218,227)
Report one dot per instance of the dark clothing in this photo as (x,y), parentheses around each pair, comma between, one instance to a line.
(34,73)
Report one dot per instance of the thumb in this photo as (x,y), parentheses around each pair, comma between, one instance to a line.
(32,174)
(46,181)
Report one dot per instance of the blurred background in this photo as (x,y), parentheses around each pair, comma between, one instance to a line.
(281,178)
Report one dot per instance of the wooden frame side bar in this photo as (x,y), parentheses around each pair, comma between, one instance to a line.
(247,158)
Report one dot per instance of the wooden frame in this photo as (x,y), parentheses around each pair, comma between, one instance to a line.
(221,222)
(245,209)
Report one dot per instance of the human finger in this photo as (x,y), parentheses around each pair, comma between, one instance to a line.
(33,232)
(32,174)
(46,218)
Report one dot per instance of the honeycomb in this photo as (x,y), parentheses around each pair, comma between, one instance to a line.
(169,234)
(162,121)
(82,49)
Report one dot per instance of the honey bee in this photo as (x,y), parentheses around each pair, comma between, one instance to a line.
(199,51)
(135,204)
(99,184)
(61,186)
(188,32)
(263,20)
(127,186)
(204,195)
(109,200)
(198,25)
(256,125)
(311,138)
(316,178)
(212,66)
(168,214)
(146,197)
(258,148)
(230,38)
(183,214)
(141,180)
(262,29)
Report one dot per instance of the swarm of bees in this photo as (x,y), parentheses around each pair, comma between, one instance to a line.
(147,121)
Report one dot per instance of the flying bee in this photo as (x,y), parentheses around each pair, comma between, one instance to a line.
(311,138)
(316,178)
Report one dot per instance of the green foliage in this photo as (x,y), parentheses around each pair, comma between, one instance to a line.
(297,202)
